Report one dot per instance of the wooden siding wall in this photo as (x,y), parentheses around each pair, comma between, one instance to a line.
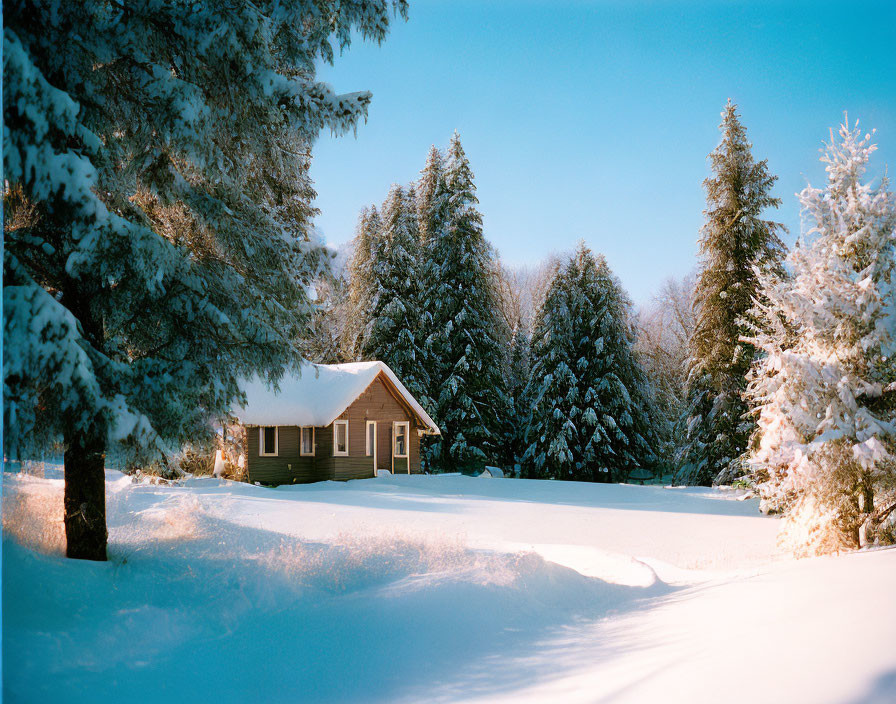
(376,403)
(288,467)
(415,451)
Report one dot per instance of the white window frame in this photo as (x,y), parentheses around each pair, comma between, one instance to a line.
(336,452)
(407,438)
(368,448)
(302,452)
(262,450)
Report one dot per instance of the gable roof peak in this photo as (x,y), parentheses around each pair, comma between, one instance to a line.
(317,394)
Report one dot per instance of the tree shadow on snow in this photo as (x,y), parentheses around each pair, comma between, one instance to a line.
(227,613)
(881,691)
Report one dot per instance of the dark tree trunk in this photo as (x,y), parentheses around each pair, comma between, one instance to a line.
(85,496)
(85,456)
(867,494)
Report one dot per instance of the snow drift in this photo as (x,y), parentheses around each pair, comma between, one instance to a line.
(430,588)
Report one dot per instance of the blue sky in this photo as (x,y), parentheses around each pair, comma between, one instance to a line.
(592,120)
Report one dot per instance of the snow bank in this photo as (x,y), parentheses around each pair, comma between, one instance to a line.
(182,581)
(817,631)
(437,589)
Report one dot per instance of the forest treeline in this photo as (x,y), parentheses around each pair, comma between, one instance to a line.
(554,389)
(552,372)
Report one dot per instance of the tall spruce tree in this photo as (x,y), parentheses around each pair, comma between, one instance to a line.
(735,243)
(158,243)
(590,407)
(825,388)
(432,197)
(463,350)
(432,201)
(393,325)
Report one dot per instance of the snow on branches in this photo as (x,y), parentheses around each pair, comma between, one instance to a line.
(824,386)
(157,157)
(734,241)
(158,239)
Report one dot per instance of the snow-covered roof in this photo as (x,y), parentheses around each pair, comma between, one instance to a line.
(318,395)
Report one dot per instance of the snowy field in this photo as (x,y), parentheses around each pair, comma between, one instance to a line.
(435,589)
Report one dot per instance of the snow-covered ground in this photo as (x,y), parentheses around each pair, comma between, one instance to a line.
(435,589)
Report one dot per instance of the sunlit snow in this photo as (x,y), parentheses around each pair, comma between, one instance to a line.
(443,588)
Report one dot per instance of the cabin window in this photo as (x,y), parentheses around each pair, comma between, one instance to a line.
(340,438)
(401,439)
(371,437)
(307,447)
(268,441)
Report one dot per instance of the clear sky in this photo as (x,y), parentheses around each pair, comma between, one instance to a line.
(592,120)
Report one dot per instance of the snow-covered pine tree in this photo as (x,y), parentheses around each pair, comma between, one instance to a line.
(825,388)
(432,201)
(361,282)
(734,242)
(463,350)
(432,197)
(392,328)
(156,156)
(590,414)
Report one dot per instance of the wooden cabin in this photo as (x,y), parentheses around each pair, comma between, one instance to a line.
(332,421)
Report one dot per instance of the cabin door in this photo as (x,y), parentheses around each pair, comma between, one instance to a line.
(383,446)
